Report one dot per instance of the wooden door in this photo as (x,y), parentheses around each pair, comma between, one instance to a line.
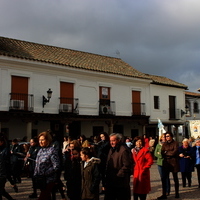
(66,92)
(136,103)
(19,89)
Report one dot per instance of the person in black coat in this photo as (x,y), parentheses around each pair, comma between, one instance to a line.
(103,148)
(16,160)
(186,161)
(30,159)
(74,176)
(59,186)
(119,168)
(4,165)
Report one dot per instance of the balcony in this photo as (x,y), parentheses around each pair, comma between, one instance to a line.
(68,105)
(107,107)
(21,102)
(138,109)
(175,114)
(195,110)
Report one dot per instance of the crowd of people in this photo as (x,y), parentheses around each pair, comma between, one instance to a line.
(86,162)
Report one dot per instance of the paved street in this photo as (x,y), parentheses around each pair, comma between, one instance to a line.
(185,193)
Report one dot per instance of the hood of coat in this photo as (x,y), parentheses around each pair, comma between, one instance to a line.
(95,160)
(92,161)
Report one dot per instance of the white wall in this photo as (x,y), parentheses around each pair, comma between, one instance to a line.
(86,87)
(164,92)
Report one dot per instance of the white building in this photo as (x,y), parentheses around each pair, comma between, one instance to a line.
(193,114)
(90,93)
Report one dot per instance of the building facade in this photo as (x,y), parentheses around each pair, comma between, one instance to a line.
(89,93)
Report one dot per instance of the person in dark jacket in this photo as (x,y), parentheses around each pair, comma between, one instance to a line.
(170,154)
(90,175)
(16,160)
(59,186)
(4,165)
(74,176)
(186,161)
(118,170)
(103,147)
(30,159)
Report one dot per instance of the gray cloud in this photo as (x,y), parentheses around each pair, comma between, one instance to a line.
(154,36)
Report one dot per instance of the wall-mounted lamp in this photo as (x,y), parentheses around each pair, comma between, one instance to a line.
(185,112)
(46,100)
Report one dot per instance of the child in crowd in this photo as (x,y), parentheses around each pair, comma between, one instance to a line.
(74,176)
(90,175)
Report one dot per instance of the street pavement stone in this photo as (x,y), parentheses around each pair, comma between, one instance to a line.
(186,193)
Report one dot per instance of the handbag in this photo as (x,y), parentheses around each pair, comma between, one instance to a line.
(40,182)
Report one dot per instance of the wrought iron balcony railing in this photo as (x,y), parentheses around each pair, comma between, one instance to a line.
(175,114)
(138,109)
(195,110)
(107,108)
(69,105)
(22,102)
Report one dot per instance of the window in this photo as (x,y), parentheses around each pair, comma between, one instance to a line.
(156,102)
(196,107)
(104,96)
(104,93)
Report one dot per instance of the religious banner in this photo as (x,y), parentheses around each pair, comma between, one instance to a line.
(161,127)
(194,126)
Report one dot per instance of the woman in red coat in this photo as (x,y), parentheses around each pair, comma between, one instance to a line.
(141,175)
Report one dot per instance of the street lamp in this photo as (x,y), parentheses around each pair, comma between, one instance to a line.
(46,100)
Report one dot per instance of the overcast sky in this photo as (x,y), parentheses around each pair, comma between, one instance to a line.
(158,37)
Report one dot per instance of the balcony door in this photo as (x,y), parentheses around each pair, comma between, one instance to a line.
(66,92)
(172,107)
(19,91)
(66,96)
(136,107)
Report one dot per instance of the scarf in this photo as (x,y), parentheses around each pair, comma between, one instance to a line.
(137,149)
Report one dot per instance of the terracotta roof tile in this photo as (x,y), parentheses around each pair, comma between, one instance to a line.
(194,94)
(77,59)
(166,81)
(66,57)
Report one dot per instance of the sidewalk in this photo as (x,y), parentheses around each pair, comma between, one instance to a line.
(187,193)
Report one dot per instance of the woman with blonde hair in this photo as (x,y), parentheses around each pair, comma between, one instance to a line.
(158,155)
(47,165)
